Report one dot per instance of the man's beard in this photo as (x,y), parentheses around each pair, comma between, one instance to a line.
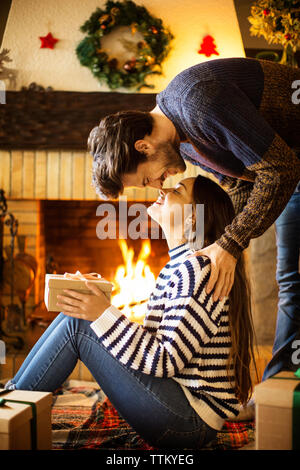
(170,157)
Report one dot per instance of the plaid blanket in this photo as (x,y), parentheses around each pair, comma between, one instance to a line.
(84,418)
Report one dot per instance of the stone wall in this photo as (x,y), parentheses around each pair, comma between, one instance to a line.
(262,271)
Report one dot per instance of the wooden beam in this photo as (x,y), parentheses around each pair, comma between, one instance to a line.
(60,120)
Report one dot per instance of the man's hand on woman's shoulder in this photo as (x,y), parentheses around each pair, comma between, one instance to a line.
(222,270)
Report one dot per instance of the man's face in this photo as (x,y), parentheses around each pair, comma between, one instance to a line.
(165,160)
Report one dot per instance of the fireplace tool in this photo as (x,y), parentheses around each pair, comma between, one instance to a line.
(12,311)
(25,271)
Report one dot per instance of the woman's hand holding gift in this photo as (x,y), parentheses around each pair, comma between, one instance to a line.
(84,306)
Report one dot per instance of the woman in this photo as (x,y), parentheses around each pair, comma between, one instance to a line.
(180,375)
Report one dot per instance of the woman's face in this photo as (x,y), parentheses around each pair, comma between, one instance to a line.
(173,207)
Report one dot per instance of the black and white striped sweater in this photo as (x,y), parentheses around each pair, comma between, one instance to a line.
(185,336)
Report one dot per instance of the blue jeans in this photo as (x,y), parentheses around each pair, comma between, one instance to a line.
(287,228)
(155,407)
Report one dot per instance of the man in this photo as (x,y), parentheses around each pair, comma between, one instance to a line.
(234,118)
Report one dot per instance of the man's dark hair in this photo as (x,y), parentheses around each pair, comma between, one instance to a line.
(112,146)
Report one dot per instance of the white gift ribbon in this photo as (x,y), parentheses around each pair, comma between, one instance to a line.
(82,277)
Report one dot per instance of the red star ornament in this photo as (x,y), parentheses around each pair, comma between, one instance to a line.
(48,42)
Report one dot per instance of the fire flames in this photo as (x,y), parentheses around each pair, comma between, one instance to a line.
(134,282)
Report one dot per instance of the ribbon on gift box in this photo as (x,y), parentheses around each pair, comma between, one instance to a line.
(83,277)
(33,422)
(296,410)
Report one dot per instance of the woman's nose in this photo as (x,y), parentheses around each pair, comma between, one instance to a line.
(164,191)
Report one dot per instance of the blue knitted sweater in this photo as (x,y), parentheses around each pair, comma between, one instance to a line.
(236,119)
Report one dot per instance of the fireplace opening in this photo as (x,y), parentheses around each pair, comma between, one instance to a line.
(58,236)
(72,243)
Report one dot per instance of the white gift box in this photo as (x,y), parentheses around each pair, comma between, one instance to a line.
(56,283)
(25,420)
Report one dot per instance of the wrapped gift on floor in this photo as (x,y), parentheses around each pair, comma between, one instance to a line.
(56,283)
(25,420)
(277,412)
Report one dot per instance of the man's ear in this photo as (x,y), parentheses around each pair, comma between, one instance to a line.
(141,146)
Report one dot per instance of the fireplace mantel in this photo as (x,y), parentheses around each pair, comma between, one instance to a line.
(60,120)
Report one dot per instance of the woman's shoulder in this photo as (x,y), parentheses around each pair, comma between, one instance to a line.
(197,263)
(190,275)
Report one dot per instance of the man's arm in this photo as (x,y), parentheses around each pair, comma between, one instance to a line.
(257,205)
(277,175)
(230,121)
(238,190)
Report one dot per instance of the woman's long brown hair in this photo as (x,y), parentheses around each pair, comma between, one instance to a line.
(218,213)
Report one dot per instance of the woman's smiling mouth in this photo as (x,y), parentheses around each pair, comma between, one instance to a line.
(159,202)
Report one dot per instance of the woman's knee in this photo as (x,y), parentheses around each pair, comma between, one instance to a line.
(76,328)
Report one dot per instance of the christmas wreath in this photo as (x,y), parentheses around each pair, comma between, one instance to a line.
(148,54)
